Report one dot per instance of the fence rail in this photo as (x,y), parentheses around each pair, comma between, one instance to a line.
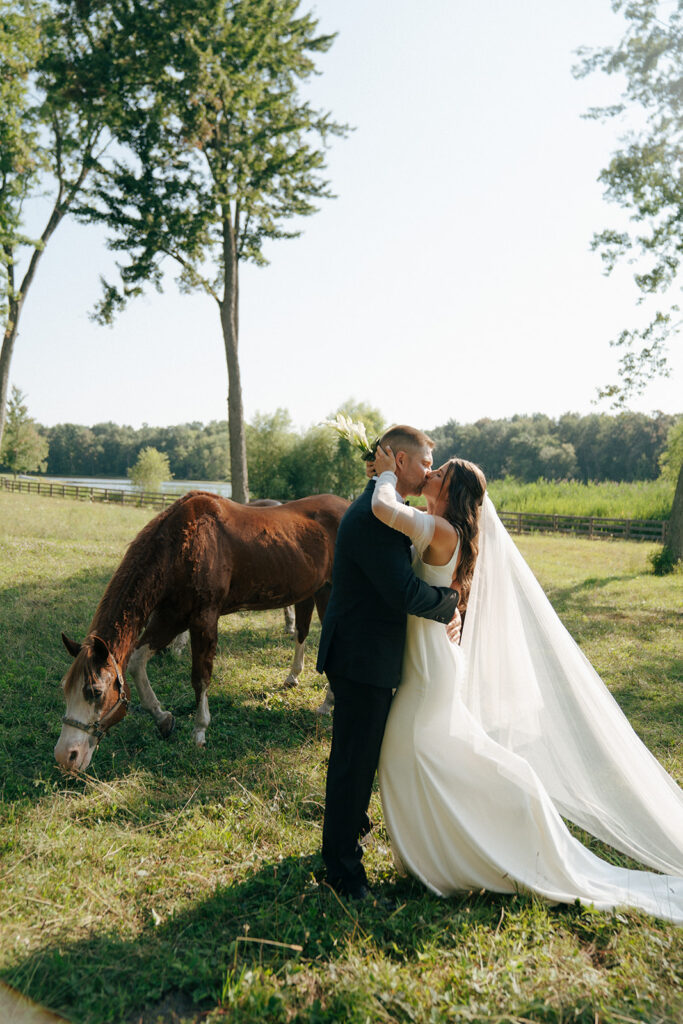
(586,526)
(515,522)
(53,489)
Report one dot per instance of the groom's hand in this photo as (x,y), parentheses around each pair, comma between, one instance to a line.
(453,628)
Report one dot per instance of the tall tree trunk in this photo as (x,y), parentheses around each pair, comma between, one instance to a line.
(675,541)
(6,360)
(16,300)
(229,322)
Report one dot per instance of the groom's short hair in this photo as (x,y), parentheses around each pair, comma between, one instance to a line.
(404,438)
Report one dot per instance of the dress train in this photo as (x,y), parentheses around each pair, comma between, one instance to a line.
(465,811)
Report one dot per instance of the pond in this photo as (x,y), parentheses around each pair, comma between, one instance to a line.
(177,487)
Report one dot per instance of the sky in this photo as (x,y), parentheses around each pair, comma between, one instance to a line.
(452,276)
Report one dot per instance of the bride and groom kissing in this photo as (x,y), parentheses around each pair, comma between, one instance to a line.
(484,745)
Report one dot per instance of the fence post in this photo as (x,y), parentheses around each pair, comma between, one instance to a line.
(590,532)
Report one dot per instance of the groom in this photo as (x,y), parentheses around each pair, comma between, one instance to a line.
(361,651)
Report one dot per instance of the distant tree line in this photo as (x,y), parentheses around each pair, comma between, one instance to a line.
(286,463)
(195,451)
(597,447)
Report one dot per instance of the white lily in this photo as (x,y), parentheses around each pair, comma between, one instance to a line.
(352,432)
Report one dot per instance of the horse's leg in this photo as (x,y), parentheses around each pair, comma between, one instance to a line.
(303,611)
(203,638)
(160,631)
(322,598)
(290,620)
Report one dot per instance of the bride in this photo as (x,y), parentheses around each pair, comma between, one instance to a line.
(486,745)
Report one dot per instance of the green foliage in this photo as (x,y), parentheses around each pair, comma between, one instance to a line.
(270,440)
(595,447)
(223,143)
(181,884)
(663,561)
(24,449)
(671,459)
(150,470)
(284,464)
(645,176)
(646,499)
(19,149)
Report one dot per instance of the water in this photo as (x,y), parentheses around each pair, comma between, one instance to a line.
(176,487)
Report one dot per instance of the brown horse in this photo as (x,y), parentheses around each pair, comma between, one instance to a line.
(200,558)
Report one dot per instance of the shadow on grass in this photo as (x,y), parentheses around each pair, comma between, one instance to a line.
(563,596)
(279,921)
(251,663)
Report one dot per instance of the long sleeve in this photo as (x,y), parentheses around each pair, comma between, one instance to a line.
(390,510)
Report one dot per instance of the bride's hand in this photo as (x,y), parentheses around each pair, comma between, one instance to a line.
(384,459)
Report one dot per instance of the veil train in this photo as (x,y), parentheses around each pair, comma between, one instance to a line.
(534,692)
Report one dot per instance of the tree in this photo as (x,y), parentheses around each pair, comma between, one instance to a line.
(51,128)
(223,151)
(150,470)
(270,440)
(24,449)
(645,176)
(348,468)
(671,459)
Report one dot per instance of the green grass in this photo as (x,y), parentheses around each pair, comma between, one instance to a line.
(643,499)
(174,884)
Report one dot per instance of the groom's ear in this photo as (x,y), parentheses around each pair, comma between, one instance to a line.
(400,457)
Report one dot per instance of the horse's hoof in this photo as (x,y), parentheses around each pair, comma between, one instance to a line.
(166,725)
(324,709)
(290,682)
(200,739)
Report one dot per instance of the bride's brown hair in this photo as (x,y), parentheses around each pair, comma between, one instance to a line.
(466,485)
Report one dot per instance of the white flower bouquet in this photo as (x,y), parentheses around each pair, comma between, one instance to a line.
(354,433)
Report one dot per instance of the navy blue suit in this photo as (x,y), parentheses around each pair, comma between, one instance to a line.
(361,652)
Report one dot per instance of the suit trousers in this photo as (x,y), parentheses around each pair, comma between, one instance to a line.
(360,715)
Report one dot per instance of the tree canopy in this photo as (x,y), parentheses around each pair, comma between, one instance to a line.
(52,134)
(151,469)
(645,177)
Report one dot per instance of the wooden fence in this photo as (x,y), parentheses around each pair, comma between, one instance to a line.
(516,522)
(586,526)
(53,489)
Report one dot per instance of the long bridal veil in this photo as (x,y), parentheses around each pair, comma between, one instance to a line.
(534,692)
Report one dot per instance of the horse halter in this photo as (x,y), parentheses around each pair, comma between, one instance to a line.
(101,726)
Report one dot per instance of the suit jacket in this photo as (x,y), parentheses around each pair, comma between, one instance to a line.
(373,589)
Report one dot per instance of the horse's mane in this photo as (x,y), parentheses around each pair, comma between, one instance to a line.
(136,585)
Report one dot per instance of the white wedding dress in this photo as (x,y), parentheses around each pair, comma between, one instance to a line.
(479,758)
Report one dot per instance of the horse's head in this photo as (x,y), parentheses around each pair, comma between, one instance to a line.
(97,697)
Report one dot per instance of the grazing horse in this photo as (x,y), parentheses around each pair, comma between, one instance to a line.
(202,557)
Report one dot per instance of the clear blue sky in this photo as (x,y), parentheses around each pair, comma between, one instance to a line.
(452,276)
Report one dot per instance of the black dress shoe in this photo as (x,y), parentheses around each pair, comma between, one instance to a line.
(367,897)
(360,895)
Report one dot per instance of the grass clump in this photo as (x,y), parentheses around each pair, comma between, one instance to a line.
(663,561)
(185,885)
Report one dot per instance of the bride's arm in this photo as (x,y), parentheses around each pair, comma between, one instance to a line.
(433,536)
(390,510)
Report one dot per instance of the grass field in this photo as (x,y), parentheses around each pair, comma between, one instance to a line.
(173,884)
